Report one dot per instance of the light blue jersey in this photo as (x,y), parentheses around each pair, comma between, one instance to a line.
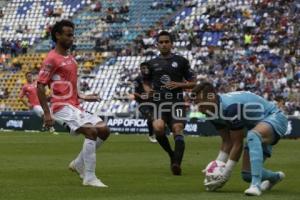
(245,109)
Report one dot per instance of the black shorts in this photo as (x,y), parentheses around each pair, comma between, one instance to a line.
(171,113)
(146,111)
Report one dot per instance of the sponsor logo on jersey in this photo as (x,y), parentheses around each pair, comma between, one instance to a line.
(175,64)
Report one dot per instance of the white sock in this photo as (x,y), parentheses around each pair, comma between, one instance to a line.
(223,156)
(229,167)
(89,158)
(79,159)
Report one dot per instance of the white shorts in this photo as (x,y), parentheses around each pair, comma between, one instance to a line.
(38,110)
(74,118)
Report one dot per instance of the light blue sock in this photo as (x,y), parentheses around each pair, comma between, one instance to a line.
(256,156)
(266,175)
(270,175)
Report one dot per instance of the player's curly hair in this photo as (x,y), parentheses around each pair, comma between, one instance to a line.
(58,26)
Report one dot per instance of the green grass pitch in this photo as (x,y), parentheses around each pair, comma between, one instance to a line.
(33,166)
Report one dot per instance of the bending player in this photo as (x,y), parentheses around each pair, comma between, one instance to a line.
(238,115)
(59,71)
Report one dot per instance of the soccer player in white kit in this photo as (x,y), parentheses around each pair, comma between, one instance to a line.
(59,72)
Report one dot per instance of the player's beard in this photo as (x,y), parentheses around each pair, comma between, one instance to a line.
(67,45)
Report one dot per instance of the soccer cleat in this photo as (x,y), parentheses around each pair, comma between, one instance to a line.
(267,185)
(152,139)
(95,182)
(176,169)
(253,190)
(78,170)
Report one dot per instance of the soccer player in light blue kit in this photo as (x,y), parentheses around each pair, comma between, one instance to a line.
(243,114)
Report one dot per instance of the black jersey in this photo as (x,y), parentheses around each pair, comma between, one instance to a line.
(162,70)
(138,87)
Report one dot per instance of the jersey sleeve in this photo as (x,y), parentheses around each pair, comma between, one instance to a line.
(137,85)
(188,73)
(22,92)
(234,117)
(46,72)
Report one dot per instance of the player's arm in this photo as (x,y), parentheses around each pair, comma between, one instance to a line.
(236,136)
(22,99)
(226,145)
(41,91)
(184,85)
(189,76)
(44,77)
(25,102)
(89,97)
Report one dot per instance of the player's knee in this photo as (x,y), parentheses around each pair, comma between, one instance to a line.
(159,128)
(90,133)
(246,176)
(253,135)
(103,132)
(177,129)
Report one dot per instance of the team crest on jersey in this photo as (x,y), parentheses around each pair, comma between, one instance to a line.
(174,64)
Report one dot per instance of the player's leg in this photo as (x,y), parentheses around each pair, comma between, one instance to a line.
(146,112)
(38,110)
(159,130)
(177,129)
(89,155)
(103,132)
(77,122)
(266,174)
(149,117)
(263,134)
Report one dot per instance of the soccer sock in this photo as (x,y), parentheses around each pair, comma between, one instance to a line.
(179,148)
(79,159)
(150,127)
(223,156)
(266,175)
(165,144)
(89,158)
(256,157)
(270,175)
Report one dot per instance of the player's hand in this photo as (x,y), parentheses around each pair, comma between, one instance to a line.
(48,121)
(171,85)
(213,184)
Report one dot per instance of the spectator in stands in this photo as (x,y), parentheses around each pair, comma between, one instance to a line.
(19,29)
(4,94)
(84,86)
(1,13)
(159,4)
(1,46)
(24,46)
(96,7)
(47,30)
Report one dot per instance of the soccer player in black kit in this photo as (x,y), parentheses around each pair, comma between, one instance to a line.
(167,75)
(142,99)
